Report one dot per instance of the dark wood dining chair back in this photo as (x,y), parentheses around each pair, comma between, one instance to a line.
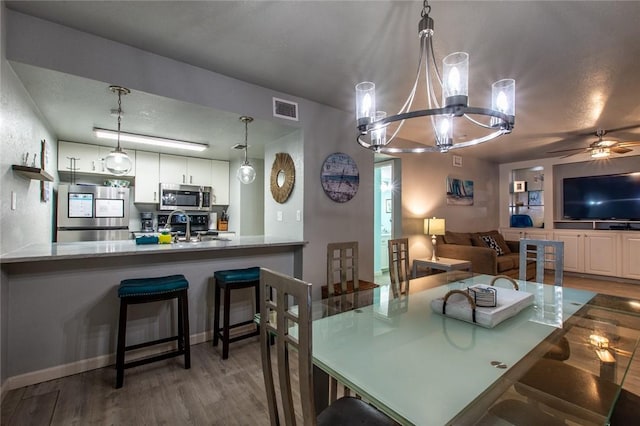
(399,272)
(285,312)
(342,266)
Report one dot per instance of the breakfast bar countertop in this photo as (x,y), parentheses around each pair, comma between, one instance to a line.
(94,249)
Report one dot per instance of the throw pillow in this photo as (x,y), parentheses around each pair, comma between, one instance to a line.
(500,240)
(491,243)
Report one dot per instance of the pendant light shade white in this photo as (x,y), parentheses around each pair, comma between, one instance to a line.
(246,173)
(118,162)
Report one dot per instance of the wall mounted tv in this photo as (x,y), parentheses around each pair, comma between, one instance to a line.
(609,197)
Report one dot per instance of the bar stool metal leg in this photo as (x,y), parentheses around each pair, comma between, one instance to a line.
(216,314)
(122,330)
(225,323)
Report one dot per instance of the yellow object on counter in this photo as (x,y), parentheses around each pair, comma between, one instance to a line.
(164,239)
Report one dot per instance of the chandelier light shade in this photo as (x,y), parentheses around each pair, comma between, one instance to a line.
(434,226)
(118,162)
(246,173)
(445,115)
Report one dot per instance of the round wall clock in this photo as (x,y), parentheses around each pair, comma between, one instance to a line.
(340,177)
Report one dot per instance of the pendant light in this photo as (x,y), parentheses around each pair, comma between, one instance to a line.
(118,162)
(246,173)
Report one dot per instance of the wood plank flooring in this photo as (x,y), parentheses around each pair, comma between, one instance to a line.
(212,392)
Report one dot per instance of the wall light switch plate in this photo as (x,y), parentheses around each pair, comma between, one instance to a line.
(279,216)
(14,200)
(298,215)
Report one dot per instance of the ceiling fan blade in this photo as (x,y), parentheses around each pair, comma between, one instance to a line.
(570,155)
(567,150)
(620,150)
(607,130)
(628,144)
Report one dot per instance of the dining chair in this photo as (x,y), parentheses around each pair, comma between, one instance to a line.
(342,267)
(285,306)
(399,272)
(543,253)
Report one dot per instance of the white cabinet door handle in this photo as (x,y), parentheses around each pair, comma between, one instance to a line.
(154,195)
(184,179)
(190,179)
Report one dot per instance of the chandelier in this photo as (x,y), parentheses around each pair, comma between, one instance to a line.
(493,122)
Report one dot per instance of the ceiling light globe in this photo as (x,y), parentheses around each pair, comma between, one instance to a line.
(246,174)
(118,163)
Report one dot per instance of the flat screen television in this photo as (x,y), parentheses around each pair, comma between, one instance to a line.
(609,197)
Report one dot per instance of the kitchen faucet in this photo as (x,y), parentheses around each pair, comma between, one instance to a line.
(188,230)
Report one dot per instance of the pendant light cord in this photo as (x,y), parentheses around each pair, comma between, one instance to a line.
(246,144)
(119,117)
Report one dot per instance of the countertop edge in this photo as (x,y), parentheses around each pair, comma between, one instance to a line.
(131,249)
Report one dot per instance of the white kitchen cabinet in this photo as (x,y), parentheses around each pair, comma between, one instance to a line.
(601,253)
(147,182)
(78,157)
(591,252)
(87,159)
(514,234)
(198,171)
(573,249)
(185,170)
(220,182)
(631,255)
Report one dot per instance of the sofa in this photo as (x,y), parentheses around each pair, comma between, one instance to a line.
(488,252)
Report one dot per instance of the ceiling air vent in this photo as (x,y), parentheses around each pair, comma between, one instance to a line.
(285,109)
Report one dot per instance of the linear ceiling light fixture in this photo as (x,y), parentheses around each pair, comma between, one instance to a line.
(149,140)
(495,121)
(118,162)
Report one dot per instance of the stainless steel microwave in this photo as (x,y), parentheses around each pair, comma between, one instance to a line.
(185,197)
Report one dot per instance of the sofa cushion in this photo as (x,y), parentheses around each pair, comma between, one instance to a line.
(459,238)
(505,263)
(492,244)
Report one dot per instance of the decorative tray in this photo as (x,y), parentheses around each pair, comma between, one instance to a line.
(460,304)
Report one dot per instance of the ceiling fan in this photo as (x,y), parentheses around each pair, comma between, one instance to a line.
(601,148)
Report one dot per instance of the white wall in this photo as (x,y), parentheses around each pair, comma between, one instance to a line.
(291,144)
(424,195)
(21,129)
(246,201)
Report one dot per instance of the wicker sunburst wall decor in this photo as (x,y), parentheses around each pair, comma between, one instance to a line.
(283,176)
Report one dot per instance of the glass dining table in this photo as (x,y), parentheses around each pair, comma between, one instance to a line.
(563,358)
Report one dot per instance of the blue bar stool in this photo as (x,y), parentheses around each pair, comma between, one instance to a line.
(145,290)
(229,280)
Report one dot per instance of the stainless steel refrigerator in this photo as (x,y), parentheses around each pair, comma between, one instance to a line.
(92,213)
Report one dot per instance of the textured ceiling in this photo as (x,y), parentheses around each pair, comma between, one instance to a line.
(575,62)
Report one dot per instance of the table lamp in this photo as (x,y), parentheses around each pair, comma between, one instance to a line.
(434,227)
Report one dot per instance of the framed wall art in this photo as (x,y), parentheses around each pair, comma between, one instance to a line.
(459,192)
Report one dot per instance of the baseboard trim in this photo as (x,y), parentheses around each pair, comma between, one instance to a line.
(81,366)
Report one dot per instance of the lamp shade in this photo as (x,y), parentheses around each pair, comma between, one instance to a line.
(434,226)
